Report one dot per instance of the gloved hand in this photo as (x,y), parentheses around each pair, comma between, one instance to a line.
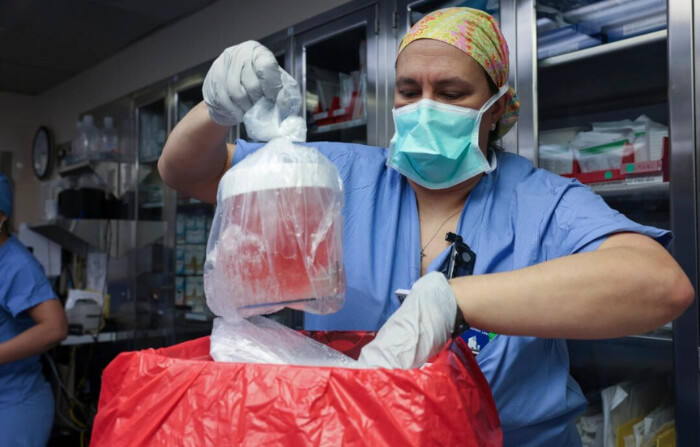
(417,330)
(240,76)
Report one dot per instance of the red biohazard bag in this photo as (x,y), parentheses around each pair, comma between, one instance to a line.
(179,396)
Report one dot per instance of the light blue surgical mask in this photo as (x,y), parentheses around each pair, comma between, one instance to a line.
(437,145)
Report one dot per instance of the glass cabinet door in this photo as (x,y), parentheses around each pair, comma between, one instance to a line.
(188,96)
(565,26)
(150,270)
(152,130)
(602,104)
(337,80)
(192,222)
(600,115)
(417,9)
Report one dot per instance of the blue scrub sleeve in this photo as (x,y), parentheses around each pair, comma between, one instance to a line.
(243,149)
(29,287)
(582,220)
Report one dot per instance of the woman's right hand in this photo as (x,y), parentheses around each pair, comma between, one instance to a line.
(240,76)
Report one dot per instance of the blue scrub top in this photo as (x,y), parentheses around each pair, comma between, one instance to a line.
(22,285)
(515,217)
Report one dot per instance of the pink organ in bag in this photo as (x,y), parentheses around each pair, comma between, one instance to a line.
(276,239)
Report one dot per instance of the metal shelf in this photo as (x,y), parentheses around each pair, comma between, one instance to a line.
(649,186)
(112,236)
(80,167)
(88,166)
(103,168)
(604,362)
(191,202)
(152,204)
(606,48)
(339,126)
(197,316)
(659,338)
(149,160)
(105,337)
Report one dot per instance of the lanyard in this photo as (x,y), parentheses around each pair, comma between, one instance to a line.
(460,262)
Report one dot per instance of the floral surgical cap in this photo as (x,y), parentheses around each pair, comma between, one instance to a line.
(477,34)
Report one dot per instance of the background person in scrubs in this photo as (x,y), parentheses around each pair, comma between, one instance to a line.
(553,261)
(32,320)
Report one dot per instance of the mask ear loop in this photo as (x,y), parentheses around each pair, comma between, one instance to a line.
(491,101)
(487,105)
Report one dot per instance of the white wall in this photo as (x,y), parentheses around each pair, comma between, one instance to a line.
(20,116)
(183,45)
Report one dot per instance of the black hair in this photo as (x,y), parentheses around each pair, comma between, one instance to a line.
(493,89)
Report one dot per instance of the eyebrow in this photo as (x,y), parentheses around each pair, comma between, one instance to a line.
(446,82)
(405,81)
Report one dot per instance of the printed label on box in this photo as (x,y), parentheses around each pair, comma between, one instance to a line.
(179,290)
(190,290)
(180,230)
(190,261)
(199,254)
(200,301)
(196,236)
(180,260)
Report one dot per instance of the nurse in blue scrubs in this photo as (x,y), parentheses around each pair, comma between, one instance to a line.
(553,261)
(32,320)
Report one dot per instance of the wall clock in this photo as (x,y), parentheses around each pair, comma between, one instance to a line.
(42,149)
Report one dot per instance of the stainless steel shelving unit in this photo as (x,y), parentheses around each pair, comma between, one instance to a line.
(327,48)
(620,45)
(684,123)
(655,73)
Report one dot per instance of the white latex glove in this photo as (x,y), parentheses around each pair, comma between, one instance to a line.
(417,330)
(240,76)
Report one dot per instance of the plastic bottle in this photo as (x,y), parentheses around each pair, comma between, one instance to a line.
(77,147)
(109,141)
(90,138)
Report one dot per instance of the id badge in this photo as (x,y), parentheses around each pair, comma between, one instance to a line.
(477,339)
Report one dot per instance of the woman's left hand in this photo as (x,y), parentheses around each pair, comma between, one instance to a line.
(417,330)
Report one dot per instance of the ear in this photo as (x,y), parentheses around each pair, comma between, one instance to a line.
(497,110)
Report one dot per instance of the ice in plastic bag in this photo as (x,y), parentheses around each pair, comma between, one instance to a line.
(261,340)
(276,237)
(268,120)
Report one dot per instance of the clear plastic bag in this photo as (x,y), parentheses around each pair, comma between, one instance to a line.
(276,238)
(261,340)
(268,120)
